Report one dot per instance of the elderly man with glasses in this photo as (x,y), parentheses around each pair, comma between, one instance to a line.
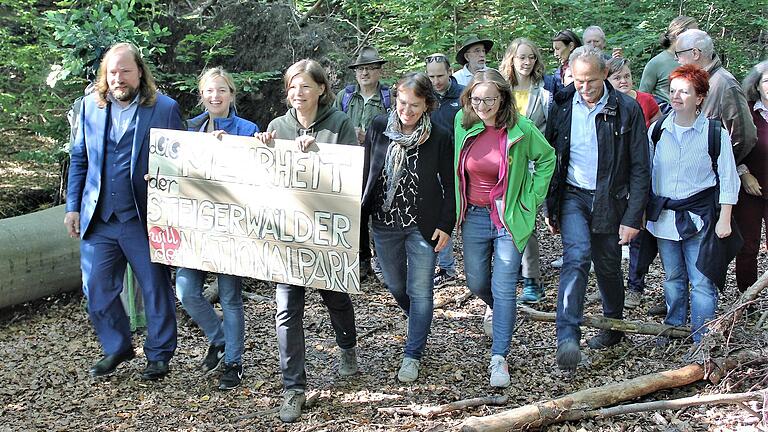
(471,55)
(726,99)
(448,92)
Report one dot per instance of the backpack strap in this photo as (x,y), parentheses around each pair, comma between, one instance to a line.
(386,97)
(715,130)
(656,133)
(348,92)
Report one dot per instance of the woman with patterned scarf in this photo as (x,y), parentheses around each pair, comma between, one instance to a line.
(408,179)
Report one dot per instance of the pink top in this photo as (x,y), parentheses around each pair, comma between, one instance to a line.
(482,166)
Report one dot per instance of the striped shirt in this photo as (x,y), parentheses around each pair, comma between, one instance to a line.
(681,167)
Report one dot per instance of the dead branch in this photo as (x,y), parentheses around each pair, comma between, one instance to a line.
(432,411)
(305,17)
(613,324)
(676,404)
(573,406)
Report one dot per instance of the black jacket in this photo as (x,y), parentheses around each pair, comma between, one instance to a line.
(436,206)
(623,173)
(449,106)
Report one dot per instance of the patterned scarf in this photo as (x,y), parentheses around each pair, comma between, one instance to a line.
(395,162)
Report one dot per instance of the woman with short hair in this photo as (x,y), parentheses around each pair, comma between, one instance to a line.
(408,190)
(311,118)
(686,193)
(225,335)
(503,166)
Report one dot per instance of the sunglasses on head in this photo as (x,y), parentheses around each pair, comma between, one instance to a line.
(437,59)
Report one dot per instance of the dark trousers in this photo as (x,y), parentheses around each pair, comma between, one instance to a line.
(636,276)
(289,322)
(750,214)
(104,252)
(580,246)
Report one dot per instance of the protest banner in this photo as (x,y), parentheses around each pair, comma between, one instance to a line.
(237,206)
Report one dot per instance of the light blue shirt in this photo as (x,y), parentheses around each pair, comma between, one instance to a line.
(681,167)
(582,166)
(463,76)
(121,117)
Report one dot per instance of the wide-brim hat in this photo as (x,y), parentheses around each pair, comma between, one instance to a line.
(472,40)
(368,55)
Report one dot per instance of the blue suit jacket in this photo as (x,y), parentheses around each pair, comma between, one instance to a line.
(87,155)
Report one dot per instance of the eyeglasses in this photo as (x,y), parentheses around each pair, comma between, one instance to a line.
(478,50)
(367,68)
(677,53)
(489,101)
(437,59)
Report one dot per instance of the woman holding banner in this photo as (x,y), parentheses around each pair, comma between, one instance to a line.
(225,335)
(408,178)
(311,118)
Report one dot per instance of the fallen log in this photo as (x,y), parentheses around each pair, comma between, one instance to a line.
(37,258)
(431,411)
(572,406)
(604,323)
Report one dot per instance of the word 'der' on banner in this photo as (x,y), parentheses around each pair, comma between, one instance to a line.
(237,206)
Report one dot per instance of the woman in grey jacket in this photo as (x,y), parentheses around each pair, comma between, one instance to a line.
(523,68)
(311,118)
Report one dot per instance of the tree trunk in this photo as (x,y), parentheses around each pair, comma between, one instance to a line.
(574,405)
(37,258)
(613,324)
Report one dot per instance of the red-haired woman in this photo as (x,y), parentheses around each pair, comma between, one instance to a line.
(686,191)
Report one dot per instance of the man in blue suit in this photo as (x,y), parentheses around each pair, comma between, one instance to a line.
(107,208)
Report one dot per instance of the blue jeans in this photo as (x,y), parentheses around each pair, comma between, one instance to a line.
(491,265)
(230,331)
(408,265)
(580,246)
(679,258)
(446,260)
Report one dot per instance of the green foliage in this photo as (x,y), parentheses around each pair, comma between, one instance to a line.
(85,30)
(208,45)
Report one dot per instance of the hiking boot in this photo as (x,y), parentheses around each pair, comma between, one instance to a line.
(348,362)
(605,339)
(488,322)
(232,376)
(659,309)
(409,370)
(213,358)
(499,371)
(533,292)
(568,355)
(293,401)
(442,278)
(632,299)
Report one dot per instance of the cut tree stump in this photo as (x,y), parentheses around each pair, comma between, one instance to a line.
(575,405)
(604,323)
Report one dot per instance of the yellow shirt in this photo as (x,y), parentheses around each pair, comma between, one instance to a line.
(521,100)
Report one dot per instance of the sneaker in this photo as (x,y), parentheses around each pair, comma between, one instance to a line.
(605,339)
(659,309)
(488,322)
(632,299)
(442,278)
(558,263)
(409,370)
(499,371)
(533,292)
(213,358)
(293,401)
(348,362)
(232,376)
(568,355)
(594,296)
(377,269)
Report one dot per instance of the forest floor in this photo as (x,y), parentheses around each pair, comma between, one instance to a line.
(47,347)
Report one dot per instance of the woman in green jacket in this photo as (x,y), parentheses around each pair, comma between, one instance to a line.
(497,194)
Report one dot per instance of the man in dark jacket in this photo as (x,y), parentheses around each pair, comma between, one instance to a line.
(597,195)
(448,92)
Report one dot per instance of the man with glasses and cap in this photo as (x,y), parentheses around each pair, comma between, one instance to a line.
(362,102)
(448,92)
(471,55)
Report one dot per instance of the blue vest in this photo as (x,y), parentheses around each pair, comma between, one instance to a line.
(116,196)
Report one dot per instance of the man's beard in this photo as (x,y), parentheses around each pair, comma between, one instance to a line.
(125,95)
